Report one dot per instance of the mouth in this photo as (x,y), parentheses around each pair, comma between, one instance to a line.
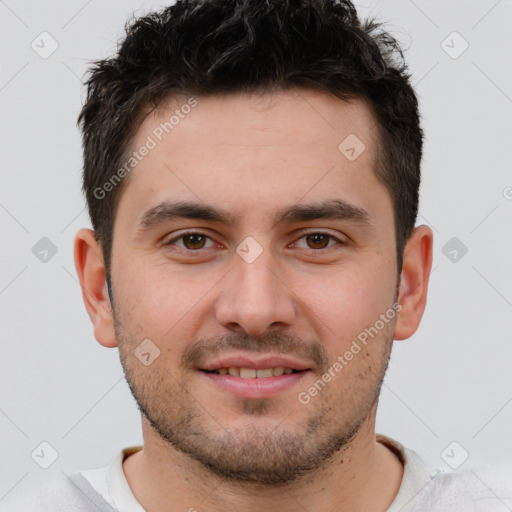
(252,373)
(255,376)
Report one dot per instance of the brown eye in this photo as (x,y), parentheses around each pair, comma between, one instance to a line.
(318,240)
(193,241)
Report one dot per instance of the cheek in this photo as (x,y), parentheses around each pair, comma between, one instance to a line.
(160,301)
(341,300)
(347,299)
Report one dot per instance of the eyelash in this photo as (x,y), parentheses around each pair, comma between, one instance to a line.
(182,235)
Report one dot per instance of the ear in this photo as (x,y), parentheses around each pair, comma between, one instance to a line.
(92,275)
(417,264)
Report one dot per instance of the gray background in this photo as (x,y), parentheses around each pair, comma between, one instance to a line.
(450,382)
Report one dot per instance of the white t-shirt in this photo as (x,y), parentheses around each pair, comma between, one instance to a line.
(106,489)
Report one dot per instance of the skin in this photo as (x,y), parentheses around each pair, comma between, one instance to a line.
(252,154)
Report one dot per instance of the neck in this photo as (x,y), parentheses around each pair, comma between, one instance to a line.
(364,475)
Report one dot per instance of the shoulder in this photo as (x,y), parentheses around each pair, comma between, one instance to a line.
(81,491)
(477,488)
(471,488)
(57,493)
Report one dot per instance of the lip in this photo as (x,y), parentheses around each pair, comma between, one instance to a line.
(255,388)
(255,362)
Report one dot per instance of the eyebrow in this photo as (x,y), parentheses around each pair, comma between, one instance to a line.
(334,209)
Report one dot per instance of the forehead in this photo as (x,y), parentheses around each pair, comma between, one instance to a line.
(283,117)
(255,148)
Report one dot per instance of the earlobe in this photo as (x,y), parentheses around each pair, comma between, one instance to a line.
(417,264)
(90,268)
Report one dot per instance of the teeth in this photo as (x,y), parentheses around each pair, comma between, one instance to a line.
(250,373)
(264,373)
(247,373)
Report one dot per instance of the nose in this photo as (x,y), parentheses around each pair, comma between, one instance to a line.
(255,296)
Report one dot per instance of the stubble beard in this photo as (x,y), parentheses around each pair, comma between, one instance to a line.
(265,453)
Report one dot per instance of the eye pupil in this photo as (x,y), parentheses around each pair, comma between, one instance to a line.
(194,237)
(317,237)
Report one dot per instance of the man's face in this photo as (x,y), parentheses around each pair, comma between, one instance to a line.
(261,292)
